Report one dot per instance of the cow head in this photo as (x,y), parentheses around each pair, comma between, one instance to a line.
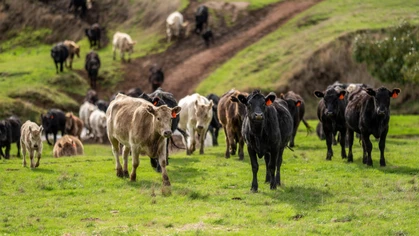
(256,105)
(382,99)
(77,50)
(66,147)
(47,120)
(332,99)
(35,137)
(203,114)
(163,118)
(4,131)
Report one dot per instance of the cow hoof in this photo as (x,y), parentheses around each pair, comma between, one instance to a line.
(166,183)
(37,164)
(133,177)
(166,190)
(254,190)
(126,174)
(273,186)
(119,173)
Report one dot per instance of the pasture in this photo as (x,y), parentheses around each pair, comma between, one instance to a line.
(210,195)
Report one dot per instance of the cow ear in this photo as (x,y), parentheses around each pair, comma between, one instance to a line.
(370,92)
(270,98)
(150,109)
(210,104)
(281,96)
(395,93)
(242,99)
(60,146)
(318,94)
(298,103)
(41,129)
(234,99)
(342,95)
(30,129)
(175,111)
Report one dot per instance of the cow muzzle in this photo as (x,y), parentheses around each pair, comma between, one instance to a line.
(329,113)
(200,127)
(258,116)
(381,112)
(167,134)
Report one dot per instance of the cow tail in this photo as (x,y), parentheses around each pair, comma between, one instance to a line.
(308,127)
(290,148)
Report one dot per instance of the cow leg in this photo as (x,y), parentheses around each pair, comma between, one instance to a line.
(7,151)
(329,139)
(55,137)
(125,153)
(267,157)
(255,169)
(241,145)
(56,67)
(162,162)
(38,156)
(294,132)
(18,148)
(191,141)
(114,52)
(343,143)
(61,66)
(46,137)
(129,56)
(31,152)
(227,153)
(350,143)
(215,136)
(135,163)
(382,146)
(115,151)
(122,55)
(1,153)
(23,153)
(232,141)
(202,141)
(368,148)
(71,61)
(278,167)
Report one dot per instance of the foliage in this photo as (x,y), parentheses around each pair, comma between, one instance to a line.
(394,58)
(210,195)
(27,37)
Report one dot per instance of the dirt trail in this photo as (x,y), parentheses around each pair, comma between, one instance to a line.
(188,62)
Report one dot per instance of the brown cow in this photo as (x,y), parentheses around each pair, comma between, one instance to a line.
(30,140)
(73,49)
(231,114)
(68,146)
(73,124)
(141,128)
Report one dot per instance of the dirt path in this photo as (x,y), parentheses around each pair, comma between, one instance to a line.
(188,62)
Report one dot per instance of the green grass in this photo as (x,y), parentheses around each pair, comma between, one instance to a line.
(268,63)
(210,195)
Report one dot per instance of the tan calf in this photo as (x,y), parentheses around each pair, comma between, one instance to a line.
(73,49)
(68,146)
(30,140)
(73,124)
(141,128)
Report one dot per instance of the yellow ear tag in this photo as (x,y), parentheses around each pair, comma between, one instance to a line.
(173,114)
(268,103)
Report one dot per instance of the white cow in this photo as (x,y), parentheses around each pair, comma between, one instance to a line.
(98,124)
(175,26)
(124,43)
(195,117)
(86,109)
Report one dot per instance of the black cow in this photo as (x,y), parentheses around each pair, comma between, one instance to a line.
(156,77)
(214,126)
(93,34)
(76,4)
(296,107)
(368,112)
(92,66)
(331,112)
(159,98)
(102,105)
(267,128)
(59,53)
(208,37)
(134,92)
(9,133)
(53,122)
(201,18)
(91,96)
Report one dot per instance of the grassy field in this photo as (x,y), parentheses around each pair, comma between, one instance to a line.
(272,60)
(210,195)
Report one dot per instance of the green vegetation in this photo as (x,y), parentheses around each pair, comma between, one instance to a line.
(210,195)
(268,63)
(394,58)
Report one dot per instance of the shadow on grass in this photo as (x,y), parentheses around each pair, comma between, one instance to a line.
(388,169)
(43,170)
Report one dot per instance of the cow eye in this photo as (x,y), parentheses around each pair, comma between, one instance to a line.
(158,118)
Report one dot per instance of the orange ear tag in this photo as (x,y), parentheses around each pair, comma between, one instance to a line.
(394,95)
(155,103)
(341,97)
(173,114)
(268,103)
(298,104)
(52,117)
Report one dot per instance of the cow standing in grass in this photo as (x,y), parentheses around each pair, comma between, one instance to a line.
(53,122)
(215,125)
(201,19)
(73,124)
(141,128)
(9,133)
(368,112)
(92,66)
(59,54)
(93,34)
(176,27)
(73,49)
(123,43)
(267,129)
(30,141)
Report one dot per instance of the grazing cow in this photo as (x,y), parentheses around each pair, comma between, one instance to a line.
(267,129)
(91,96)
(78,4)
(93,34)
(214,126)
(73,124)
(159,98)
(331,113)
(52,122)
(195,117)
(92,66)
(296,107)
(102,105)
(86,109)
(156,77)
(30,140)
(141,128)
(175,27)
(73,49)
(97,122)
(9,133)
(231,114)
(208,37)
(368,112)
(201,18)
(124,43)
(68,146)
(134,92)
(59,53)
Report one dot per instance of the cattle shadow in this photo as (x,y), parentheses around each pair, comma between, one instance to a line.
(388,169)
(43,170)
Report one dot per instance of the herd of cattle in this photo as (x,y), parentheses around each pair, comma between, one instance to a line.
(144,123)
(176,27)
